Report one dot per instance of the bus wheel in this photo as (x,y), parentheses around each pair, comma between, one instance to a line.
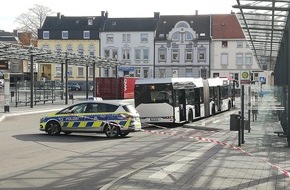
(190,116)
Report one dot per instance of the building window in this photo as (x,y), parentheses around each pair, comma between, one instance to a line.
(176,36)
(107,53)
(126,54)
(203,73)
(201,54)
(162,73)
(146,73)
(174,73)
(144,38)
(239,44)
(216,75)
(137,54)
(137,72)
(145,54)
(58,71)
(162,55)
(248,59)
(92,50)
(126,38)
(175,55)
(86,34)
(80,49)
(188,55)
(64,34)
(115,53)
(224,44)
(45,34)
(80,71)
(69,48)
(188,36)
(90,21)
(224,59)
(188,73)
(91,72)
(110,38)
(58,48)
(239,58)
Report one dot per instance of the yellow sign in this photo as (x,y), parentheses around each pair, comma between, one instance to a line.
(245,75)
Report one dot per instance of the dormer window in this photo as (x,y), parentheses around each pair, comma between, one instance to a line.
(90,22)
(86,34)
(64,34)
(45,35)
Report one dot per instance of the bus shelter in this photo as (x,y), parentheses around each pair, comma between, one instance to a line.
(266,26)
(40,55)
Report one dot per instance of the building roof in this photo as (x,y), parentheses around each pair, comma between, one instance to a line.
(129,24)
(226,26)
(61,22)
(199,23)
(7,37)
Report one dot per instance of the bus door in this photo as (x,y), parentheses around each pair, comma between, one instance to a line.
(197,102)
(219,102)
(180,96)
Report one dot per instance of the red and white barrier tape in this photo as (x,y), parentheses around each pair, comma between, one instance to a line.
(199,138)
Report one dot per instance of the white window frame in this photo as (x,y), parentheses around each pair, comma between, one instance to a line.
(224,58)
(126,38)
(69,48)
(107,53)
(248,59)
(110,38)
(162,54)
(45,35)
(239,59)
(80,49)
(126,54)
(81,72)
(146,54)
(137,54)
(144,38)
(188,52)
(175,55)
(87,34)
(64,34)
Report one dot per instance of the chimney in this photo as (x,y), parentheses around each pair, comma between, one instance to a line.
(58,15)
(106,14)
(102,13)
(196,12)
(156,15)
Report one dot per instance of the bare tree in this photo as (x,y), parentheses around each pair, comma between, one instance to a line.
(32,20)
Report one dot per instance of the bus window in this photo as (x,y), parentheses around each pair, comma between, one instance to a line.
(163,96)
(189,93)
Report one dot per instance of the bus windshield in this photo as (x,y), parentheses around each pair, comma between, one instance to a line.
(153,93)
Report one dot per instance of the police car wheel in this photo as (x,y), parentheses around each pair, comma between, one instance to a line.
(53,128)
(112,131)
(124,134)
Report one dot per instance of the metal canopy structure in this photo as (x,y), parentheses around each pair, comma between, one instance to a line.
(263,23)
(16,51)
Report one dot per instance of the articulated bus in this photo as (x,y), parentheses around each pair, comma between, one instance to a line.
(180,100)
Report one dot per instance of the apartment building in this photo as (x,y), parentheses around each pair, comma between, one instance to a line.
(130,41)
(70,34)
(182,46)
(231,54)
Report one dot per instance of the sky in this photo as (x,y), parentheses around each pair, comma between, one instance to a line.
(116,8)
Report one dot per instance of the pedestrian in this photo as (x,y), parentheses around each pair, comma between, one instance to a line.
(255,112)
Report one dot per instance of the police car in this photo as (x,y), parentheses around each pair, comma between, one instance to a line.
(113,119)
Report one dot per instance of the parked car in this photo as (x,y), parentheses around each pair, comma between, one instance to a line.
(113,119)
(74,87)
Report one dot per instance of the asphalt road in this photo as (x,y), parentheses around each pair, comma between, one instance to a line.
(30,159)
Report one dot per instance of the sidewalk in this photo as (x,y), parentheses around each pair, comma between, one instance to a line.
(262,162)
